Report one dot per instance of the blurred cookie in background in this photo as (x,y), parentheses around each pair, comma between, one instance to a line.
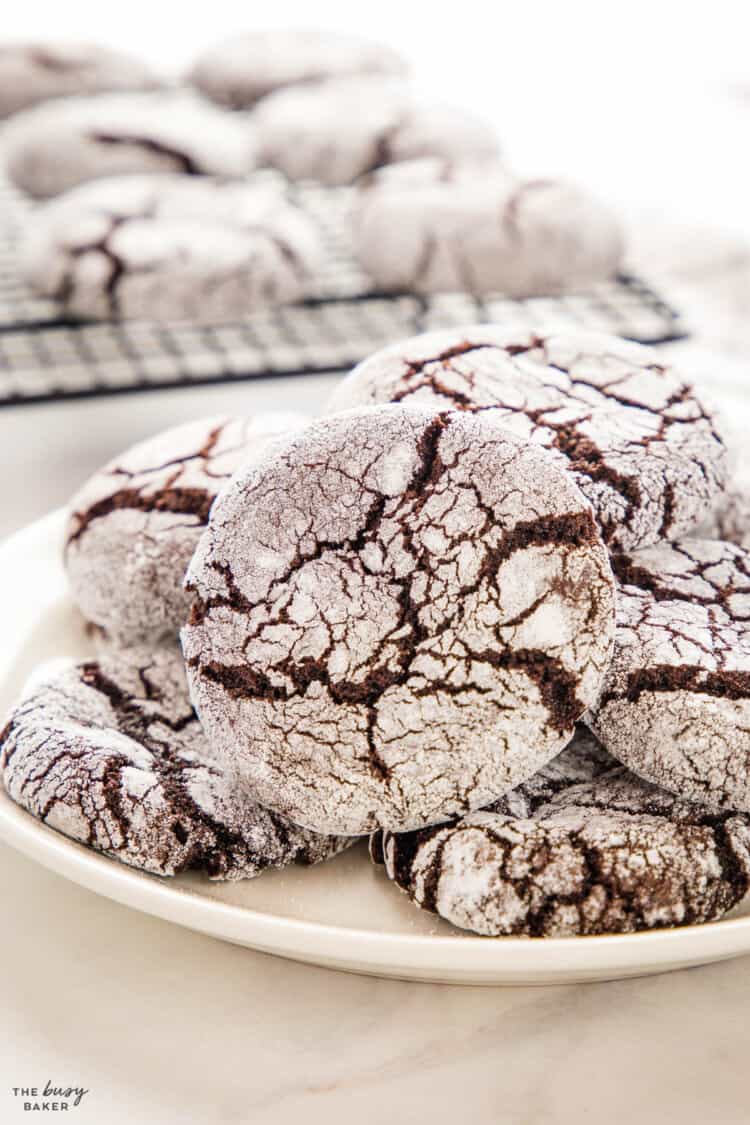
(34,72)
(53,147)
(171,248)
(338,130)
(472,226)
(239,71)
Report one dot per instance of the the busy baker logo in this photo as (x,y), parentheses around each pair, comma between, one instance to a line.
(49,1098)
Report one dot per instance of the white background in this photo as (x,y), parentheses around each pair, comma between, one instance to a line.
(621,94)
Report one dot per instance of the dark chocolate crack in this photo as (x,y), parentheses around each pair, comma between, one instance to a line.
(183,161)
(175,501)
(589,460)
(117,266)
(465,347)
(670,507)
(629,572)
(383,152)
(204,454)
(683,678)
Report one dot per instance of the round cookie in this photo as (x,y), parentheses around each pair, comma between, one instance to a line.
(112,754)
(135,524)
(451,225)
(576,854)
(35,72)
(675,704)
(171,247)
(398,616)
(335,131)
(53,147)
(643,447)
(239,71)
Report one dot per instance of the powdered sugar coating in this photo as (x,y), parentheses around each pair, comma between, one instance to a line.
(730,516)
(609,854)
(135,524)
(52,147)
(171,247)
(240,70)
(111,754)
(583,759)
(335,131)
(399,615)
(35,72)
(465,225)
(675,704)
(643,447)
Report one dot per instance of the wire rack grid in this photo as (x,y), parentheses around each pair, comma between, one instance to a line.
(45,356)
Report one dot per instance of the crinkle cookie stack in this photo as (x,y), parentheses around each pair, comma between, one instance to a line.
(465,612)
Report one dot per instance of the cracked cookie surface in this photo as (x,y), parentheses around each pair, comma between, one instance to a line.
(111,753)
(336,131)
(51,148)
(241,70)
(730,516)
(462,225)
(585,848)
(675,704)
(398,616)
(171,247)
(134,525)
(36,72)
(642,446)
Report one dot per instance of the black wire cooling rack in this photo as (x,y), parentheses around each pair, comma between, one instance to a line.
(44,356)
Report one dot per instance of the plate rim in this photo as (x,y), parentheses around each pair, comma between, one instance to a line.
(463,958)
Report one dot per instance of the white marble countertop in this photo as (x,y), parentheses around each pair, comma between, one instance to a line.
(164,1026)
(168,1028)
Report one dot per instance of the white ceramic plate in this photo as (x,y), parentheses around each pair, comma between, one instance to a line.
(343,914)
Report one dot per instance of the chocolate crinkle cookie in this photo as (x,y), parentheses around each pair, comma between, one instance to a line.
(171,248)
(239,71)
(53,147)
(585,848)
(675,704)
(398,616)
(643,447)
(336,131)
(35,72)
(112,754)
(458,224)
(134,525)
